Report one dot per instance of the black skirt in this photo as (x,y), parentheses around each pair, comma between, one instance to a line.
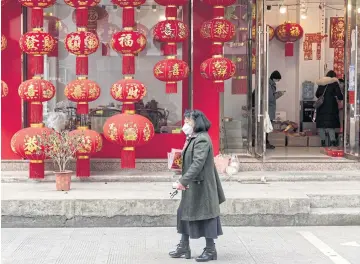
(210,228)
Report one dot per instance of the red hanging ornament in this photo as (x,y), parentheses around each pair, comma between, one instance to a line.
(128,10)
(4,89)
(25,143)
(128,43)
(82,92)
(90,143)
(37,10)
(129,131)
(128,91)
(82,10)
(219,6)
(289,33)
(217,69)
(171,7)
(171,71)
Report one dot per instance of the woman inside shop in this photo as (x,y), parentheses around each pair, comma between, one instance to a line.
(199,211)
(327,115)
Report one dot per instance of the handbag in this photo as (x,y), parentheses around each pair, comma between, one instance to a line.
(319,102)
(268,125)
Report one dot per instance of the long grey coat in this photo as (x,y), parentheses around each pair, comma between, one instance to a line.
(202,199)
(272,99)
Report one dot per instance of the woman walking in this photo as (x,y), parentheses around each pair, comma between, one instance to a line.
(199,210)
(327,115)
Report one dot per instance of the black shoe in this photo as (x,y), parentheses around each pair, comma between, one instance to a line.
(323,143)
(182,250)
(333,143)
(207,255)
(269,146)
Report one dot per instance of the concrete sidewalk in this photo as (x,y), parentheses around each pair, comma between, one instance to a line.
(148,204)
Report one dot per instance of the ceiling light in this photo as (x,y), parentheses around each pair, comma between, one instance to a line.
(283,9)
(303,16)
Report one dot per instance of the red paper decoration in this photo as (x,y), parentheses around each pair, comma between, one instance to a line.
(3,42)
(128,91)
(4,89)
(128,11)
(217,70)
(36,91)
(171,71)
(90,143)
(129,131)
(82,91)
(128,43)
(289,33)
(25,143)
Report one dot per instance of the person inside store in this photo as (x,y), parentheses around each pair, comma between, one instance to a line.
(327,115)
(275,77)
(199,212)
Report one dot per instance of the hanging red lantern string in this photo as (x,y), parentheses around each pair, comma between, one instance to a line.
(128,17)
(289,33)
(82,10)
(219,6)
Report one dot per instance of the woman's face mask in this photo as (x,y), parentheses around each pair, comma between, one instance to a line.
(188,127)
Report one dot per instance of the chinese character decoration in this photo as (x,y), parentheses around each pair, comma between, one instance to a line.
(170,32)
(218,30)
(337,42)
(4,89)
(90,143)
(128,91)
(128,17)
(129,131)
(311,38)
(25,143)
(171,71)
(289,33)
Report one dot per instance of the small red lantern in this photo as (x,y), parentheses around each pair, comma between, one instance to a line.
(289,33)
(217,69)
(171,6)
(90,143)
(37,10)
(4,89)
(129,131)
(128,91)
(3,42)
(171,71)
(128,11)
(82,91)
(219,31)
(170,32)
(128,43)
(25,143)
(219,6)
(82,10)
(36,91)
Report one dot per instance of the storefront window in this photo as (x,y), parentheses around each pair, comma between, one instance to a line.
(105,66)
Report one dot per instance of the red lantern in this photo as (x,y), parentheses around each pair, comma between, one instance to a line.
(171,71)
(3,42)
(219,31)
(82,44)
(37,12)
(25,143)
(4,89)
(128,91)
(82,10)
(219,6)
(129,131)
(171,6)
(128,43)
(128,11)
(90,143)
(36,91)
(217,70)
(170,32)
(289,33)
(82,91)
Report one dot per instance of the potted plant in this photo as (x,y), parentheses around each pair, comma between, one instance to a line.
(61,148)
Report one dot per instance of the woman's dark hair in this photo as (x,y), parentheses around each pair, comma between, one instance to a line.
(275,75)
(331,74)
(202,124)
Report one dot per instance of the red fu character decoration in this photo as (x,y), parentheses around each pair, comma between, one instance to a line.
(129,131)
(289,33)
(25,143)
(90,143)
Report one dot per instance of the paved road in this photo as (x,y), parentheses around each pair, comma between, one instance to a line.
(243,245)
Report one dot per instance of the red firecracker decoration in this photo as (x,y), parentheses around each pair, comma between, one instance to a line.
(219,6)
(90,143)
(171,71)
(128,91)
(4,89)
(128,10)
(36,91)
(170,32)
(82,10)
(25,143)
(289,33)
(82,92)
(128,43)
(219,31)
(82,44)
(129,131)
(3,42)
(37,10)
(217,70)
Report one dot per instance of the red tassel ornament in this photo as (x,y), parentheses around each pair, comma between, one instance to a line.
(128,64)
(128,17)
(37,169)
(289,49)
(128,158)
(37,17)
(219,86)
(82,17)
(82,108)
(171,12)
(82,65)
(83,166)
(128,108)
(36,115)
(171,87)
